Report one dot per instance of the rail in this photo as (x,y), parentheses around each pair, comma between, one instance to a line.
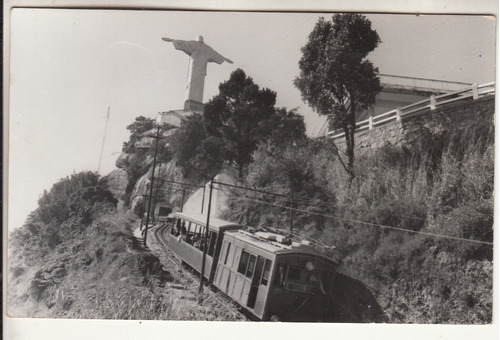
(159,234)
(475,91)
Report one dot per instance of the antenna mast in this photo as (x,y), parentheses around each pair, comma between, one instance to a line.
(103,140)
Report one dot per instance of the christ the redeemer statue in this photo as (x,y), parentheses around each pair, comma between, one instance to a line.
(200,54)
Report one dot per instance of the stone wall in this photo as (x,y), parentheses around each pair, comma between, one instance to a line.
(457,117)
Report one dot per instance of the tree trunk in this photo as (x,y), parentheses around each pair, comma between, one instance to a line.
(349,136)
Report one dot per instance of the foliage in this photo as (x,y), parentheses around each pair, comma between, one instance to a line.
(335,77)
(289,171)
(233,124)
(67,209)
(77,195)
(102,272)
(386,224)
(195,152)
(137,130)
(138,152)
(285,128)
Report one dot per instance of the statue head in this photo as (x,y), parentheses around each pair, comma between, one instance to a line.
(199,38)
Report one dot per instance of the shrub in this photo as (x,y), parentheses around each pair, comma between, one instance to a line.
(472,221)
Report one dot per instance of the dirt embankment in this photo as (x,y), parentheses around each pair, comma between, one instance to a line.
(103,273)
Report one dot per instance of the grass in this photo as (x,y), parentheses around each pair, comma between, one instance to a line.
(444,189)
(104,273)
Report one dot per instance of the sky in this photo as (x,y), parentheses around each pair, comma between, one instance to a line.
(69,66)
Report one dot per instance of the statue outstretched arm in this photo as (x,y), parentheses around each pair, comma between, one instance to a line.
(216,57)
(183,45)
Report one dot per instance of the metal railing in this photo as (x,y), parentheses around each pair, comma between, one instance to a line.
(475,91)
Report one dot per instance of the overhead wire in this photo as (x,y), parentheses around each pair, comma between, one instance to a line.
(289,207)
(292,200)
(284,33)
(370,223)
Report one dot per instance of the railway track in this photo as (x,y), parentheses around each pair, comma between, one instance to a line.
(211,295)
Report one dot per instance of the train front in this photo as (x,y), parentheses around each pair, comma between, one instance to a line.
(302,287)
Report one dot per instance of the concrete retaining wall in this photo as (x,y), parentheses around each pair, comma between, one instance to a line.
(457,117)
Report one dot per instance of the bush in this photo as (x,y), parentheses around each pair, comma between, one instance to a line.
(472,221)
(78,195)
(442,186)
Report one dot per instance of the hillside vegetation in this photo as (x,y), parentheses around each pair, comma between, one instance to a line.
(387,224)
(414,225)
(411,225)
(76,257)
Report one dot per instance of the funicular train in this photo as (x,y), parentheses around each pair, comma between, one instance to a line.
(265,272)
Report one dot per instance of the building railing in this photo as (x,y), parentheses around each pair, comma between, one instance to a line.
(422,84)
(475,91)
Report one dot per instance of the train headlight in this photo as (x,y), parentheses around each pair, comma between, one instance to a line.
(310,266)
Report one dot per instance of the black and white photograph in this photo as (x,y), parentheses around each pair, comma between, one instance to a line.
(303,170)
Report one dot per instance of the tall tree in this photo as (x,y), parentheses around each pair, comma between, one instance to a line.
(233,124)
(238,115)
(335,77)
(285,128)
(195,152)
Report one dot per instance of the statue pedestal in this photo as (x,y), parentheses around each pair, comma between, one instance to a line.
(193,106)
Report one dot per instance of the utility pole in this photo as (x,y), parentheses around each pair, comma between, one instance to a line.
(143,207)
(205,245)
(203,199)
(183,196)
(152,186)
(157,190)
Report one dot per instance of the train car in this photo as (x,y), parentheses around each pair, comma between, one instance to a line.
(274,278)
(271,276)
(185,236)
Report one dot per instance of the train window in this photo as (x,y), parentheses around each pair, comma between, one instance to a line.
(198,236)
(175,227)
(183,229)
(195,238)
(213,240)
(259,268)
(279,277)
(233,258)
(189,235)
(242,267)
(225,251)
(198,241)
(251,266)
(326,282)
(294,273)
(301,275)
(228,247)
(267,272)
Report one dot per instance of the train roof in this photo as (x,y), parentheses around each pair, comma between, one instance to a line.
(215,223)
(266,242)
